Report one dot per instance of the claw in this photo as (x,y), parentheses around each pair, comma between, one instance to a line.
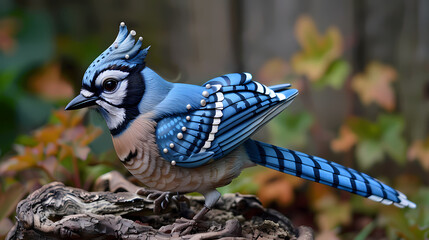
(182,226)
(163,204)
(160,199)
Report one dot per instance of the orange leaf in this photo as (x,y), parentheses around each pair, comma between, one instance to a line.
(8,29)
(49,134)
(280,192)
(318,52)
(317,191)
(51,149)
(419,150)
(276,187)
(16,164)
(82,152)
(77,117)
(92,133)
(70,118)
(273,71)
(270,175)
(49,164)
(63,116)
(73,134)
(50,84)
(65,151)
(28,159)
(345,141)
(375,85)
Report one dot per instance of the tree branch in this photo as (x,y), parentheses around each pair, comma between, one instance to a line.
(59,212)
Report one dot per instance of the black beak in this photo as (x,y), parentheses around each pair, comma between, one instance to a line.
(80,102)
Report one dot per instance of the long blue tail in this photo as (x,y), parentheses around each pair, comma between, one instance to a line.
(326,172)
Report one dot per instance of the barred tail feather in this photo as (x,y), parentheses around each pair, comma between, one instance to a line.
(325,172)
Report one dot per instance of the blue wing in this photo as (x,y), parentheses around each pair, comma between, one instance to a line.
(230,109)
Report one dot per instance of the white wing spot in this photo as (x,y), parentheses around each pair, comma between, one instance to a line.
(375,198)
(248,76)
(216,119)
(260,88)
(281,96)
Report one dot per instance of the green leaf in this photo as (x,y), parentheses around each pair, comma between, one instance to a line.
(26,140)
(395,145)
(335,75)
(94,172)
(290,129)
(376,139)
(35,42)
(32,112)
(363,128)
(366,231)
(244,183)
(368,152)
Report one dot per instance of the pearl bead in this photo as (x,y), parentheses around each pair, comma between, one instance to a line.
(179,135)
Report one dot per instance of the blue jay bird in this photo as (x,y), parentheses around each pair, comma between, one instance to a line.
(185,138)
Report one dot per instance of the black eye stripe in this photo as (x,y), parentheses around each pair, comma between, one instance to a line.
(123,68)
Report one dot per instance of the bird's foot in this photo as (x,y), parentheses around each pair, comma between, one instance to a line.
(183,226)
(161,199)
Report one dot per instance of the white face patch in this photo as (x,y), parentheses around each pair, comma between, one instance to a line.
(115,74)
(116,97)
(116,116)
(86,93)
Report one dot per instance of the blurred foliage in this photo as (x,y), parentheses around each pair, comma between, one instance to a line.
(372,140)
(34,80)
(320,58)
(368,143)
(419,150)
(374,85)
(59,151)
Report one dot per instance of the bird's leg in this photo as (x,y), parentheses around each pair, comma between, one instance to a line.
(184,225)
(162,199)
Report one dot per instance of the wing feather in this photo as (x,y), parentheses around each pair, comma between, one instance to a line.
(232,108)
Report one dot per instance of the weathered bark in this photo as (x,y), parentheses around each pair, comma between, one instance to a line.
(59,212)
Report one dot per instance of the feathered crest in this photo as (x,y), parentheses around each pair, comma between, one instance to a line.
(125,51)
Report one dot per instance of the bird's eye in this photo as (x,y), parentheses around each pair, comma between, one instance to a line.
(110,84)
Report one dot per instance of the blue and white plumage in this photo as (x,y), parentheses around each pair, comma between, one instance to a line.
(185,138)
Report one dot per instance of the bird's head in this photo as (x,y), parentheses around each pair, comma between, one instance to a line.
(114,82)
